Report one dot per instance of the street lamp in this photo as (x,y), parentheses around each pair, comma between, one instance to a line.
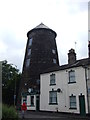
(14,87)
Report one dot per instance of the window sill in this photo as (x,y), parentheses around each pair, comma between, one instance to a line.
(53,103)
(71,82)
(72,108)
(52,84)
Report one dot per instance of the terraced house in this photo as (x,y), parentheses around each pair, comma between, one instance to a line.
(66,88)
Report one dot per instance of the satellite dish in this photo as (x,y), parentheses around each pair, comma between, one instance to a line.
(59,90)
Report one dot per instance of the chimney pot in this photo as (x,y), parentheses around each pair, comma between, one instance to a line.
(71,56)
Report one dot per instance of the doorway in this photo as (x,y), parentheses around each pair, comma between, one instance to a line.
(82,105)
(37,103)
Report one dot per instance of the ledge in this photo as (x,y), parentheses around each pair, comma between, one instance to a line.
(72,108)
(71,82)
(52,84)
(53,103)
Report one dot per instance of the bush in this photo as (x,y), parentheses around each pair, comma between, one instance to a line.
(9,112)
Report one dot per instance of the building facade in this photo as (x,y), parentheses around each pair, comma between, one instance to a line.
(41,53)
(67,88)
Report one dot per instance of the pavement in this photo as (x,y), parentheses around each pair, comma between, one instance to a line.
(34,115)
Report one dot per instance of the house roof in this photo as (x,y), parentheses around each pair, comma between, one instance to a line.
(78,63)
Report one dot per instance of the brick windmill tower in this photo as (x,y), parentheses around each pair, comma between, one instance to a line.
(41,53)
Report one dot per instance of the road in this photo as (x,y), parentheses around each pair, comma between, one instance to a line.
(51,116)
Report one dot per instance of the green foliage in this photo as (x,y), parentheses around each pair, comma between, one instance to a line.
(10,82)
(9,112)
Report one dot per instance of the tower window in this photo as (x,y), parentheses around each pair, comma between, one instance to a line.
(30,41)
(27,62)
(54,61)
(53,51)
(29,52)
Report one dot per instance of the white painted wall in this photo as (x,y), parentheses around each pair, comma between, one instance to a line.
(67,89)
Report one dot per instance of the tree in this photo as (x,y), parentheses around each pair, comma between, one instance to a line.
(10,82)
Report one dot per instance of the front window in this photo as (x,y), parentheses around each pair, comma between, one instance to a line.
(27,62)
(72,102)
(32,100)
(72,76)
(53,97)
(52,79)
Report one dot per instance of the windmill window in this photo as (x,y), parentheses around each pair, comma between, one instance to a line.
(54,61)
(30,41)
(27,62)
(29,52)
(53,51)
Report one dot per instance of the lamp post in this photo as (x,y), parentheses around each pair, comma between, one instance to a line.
(15,87)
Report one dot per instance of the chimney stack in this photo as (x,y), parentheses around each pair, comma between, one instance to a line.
(89,48)
(71,56)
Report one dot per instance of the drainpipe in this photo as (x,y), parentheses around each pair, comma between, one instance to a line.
(86,68)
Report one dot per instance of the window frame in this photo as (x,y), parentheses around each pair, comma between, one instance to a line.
(72,77)
(52,78)
(51,98)
(72,102)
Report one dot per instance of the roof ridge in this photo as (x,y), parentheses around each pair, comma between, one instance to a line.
(41,25)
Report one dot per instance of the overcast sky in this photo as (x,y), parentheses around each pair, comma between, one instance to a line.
(68,18)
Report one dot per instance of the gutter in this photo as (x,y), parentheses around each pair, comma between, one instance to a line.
(86,68)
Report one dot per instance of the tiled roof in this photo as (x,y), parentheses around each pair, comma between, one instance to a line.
(82,62)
